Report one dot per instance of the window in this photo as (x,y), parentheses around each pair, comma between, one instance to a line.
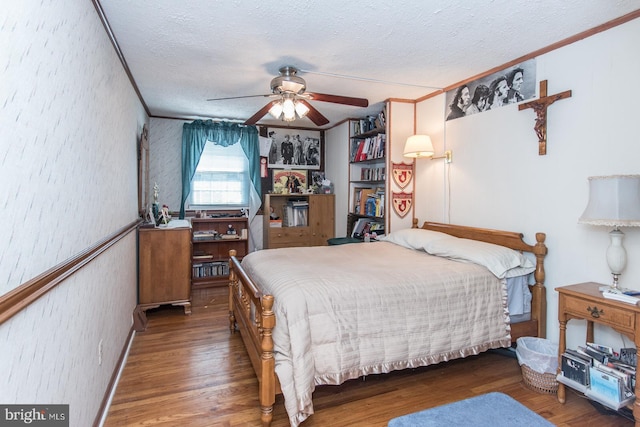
(221,179)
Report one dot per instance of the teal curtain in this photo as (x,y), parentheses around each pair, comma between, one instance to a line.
(196,134)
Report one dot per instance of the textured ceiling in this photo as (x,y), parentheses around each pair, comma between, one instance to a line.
(182,53)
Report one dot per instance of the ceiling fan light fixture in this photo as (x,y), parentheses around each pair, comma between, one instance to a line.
(288,110)
(288,82)
(276,109)
(301,109)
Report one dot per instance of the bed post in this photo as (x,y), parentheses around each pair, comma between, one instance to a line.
(539,308)
(233,285)
(267,382)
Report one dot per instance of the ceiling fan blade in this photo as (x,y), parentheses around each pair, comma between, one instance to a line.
(239,97)
(260,114)
(337,99)
(314,115)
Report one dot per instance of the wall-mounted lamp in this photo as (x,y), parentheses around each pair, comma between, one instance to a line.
(614,201)
(419,146)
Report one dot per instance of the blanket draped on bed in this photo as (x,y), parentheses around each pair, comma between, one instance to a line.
(351,310)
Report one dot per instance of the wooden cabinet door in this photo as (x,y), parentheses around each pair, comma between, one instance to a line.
(322,218)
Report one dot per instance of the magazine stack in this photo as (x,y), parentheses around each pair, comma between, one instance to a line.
(603,375)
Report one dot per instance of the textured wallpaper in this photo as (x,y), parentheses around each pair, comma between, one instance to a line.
(70,120)
(165,160)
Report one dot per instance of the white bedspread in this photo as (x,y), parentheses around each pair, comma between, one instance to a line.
(352,310)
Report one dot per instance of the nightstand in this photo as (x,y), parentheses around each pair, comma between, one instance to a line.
(585,301)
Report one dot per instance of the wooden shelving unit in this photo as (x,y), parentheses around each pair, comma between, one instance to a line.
(368,171)
(315,231)
(210,260)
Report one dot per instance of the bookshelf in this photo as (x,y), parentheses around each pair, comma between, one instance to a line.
(298,220)
(368,171)
(211,245)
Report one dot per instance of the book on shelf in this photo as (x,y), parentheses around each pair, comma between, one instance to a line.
(202,257)
(230,236)
(210,269)
(366,225)
(296,213)
(575,368)
(204,234)
(362,200)
(608,386)
(275,223)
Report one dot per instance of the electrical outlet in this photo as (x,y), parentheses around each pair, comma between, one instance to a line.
(100,353)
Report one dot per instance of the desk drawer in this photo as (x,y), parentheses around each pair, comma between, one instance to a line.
(602,313)
(283,237)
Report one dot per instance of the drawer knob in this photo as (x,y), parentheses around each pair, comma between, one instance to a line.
(594,311)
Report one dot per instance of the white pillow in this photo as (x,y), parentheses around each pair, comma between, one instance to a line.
(414,238)
(497,259)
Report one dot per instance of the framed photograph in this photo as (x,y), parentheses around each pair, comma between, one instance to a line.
(289,181)
(295,148)
(508,86)
(317,178)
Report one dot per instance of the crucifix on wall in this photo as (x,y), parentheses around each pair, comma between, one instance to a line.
(540,107)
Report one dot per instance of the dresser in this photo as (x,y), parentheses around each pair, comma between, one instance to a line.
(164,266)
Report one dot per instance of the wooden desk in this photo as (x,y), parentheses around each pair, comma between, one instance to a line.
(585,301)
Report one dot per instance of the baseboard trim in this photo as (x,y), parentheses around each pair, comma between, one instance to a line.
(101,416)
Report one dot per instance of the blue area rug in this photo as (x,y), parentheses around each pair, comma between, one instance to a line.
(492,409)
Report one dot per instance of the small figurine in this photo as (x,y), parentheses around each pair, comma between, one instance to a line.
(231,230)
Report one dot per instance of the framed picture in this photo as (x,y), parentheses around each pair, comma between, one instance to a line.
(143,172)
(508,86)
(289,181)
(295,148)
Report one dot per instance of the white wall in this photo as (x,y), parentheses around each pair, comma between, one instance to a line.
(400,118)
(498,180)
(70,120)
(336,166)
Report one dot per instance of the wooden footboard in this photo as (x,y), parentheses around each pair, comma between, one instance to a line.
(250,311)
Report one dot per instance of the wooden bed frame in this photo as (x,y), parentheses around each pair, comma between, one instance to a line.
(250,311)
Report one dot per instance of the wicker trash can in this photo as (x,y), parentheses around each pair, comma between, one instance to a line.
(538,359)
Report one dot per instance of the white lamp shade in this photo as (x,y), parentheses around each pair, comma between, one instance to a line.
(276,110)
(418,146)
(613,201)
(301,109)
(289,110)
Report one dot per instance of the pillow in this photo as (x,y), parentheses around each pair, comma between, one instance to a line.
(497,259)
(522,270)
(414,238)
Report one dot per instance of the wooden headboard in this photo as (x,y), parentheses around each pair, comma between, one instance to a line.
(514,241)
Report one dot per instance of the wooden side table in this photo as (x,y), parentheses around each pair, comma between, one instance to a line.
(585,301)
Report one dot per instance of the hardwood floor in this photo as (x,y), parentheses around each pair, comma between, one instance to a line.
(190,371)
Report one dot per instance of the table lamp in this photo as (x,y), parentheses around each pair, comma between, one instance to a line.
(614,201)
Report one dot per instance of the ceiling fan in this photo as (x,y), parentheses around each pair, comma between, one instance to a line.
(292,100)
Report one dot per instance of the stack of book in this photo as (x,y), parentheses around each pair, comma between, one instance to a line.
(296,213)
(368,201)
(600,373)
(369,148)
(204,235)
(367,225)
(210,269)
